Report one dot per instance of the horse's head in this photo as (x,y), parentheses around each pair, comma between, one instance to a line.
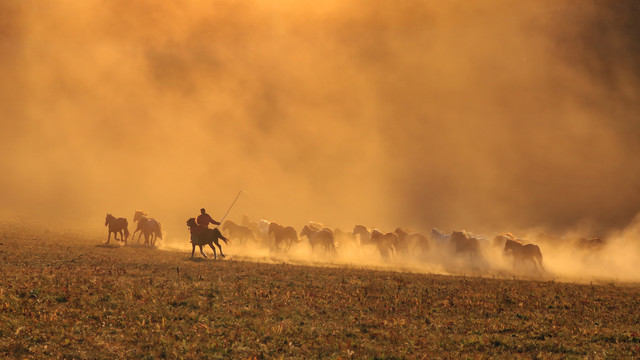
(509,245)
(108,219)
(191,223)
(306,230)
(459,235)
(138,215)
(359,229)
(273,227)
(400,232)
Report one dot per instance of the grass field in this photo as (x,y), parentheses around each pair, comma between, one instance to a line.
(69,296)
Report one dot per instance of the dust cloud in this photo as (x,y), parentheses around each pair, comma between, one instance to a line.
(489,117)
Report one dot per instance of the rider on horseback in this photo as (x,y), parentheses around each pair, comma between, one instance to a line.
(204,220)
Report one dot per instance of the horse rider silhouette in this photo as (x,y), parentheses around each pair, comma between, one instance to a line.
(204,220)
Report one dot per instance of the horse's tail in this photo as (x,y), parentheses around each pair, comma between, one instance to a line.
(538,256)
(218,234)
(540,260)
(159,231)
(126,229)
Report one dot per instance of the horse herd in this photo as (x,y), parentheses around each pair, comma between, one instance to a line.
(148,227)
(399,244)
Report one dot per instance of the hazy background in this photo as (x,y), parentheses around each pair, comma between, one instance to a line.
(487,116)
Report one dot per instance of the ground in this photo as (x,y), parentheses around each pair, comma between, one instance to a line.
(68,296)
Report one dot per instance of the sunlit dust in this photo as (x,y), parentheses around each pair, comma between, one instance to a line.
(489,117)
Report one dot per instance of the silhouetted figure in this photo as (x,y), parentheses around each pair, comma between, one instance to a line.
(322,237)
(521,252)
(201,236)
(149,227)
(117,226)
(204,219)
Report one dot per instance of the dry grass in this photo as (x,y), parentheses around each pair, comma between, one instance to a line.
(64,296)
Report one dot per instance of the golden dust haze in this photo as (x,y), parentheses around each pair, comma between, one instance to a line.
(487,116)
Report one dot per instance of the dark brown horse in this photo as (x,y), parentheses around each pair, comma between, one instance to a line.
(117,226)
(283,235)
(201,237)
(465,244)
(386,243)
(321,237)
(521,252)
(409,242)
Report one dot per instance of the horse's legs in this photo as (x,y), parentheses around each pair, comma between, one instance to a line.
(108,237)
(215,255)
(219,247)
(193,249)
(202,252)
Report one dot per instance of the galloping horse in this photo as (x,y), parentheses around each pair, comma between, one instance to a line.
(201,237)
(322,237)
(344,239)
(524,252)
(281,234)
(117,226)
(500,239)
(152,230)
(386,243)
(465,244)
(410,242)
(149,227)
(239,232)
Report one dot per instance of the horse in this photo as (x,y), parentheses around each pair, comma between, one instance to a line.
(149,227)
(314,225)
(252,225)
(263,228)
(524,252)
(439,237)
(343,238)
(386,243)
(282,234)
(408,242)
(589,244)
(201,237)
(239,232)
(322,237)
(363,233)
(465,244)
(500,239)
(152,230)
(117,226)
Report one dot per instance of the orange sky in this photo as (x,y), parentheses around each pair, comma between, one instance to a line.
(489,117)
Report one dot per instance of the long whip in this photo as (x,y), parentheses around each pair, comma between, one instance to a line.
(233,203)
